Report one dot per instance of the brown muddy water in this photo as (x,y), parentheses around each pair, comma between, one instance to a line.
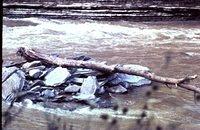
(169,49)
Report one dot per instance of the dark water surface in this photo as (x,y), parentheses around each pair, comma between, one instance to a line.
(169,49)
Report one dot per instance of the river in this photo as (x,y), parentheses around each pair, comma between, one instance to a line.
(169,49)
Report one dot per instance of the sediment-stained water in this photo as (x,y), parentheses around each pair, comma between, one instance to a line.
(168,48)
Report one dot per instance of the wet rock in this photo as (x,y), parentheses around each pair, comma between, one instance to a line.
(7,63)
(71,106)
(31,84)
(101,103)
(88,89)
(125,85)
(7,72)
(37,83)
(117,89)
(27,102)
(131,79)
(31,64)
(89,85)
(13,82)
(45,72)
(38,89)
(77,80)
(114,79)
(41,67)
(72,88)
(101,90)
(82,57)
(57,77)
(86,72)
(55,55)
(35,73)
(35,88)
(84,97)
(48,93)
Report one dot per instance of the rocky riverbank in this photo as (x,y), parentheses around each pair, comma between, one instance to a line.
(39,83)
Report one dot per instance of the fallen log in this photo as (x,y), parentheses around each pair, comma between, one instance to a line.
(31,55)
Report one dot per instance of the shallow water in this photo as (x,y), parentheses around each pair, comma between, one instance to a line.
(168,48)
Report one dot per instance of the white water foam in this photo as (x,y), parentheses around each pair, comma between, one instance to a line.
(54,34)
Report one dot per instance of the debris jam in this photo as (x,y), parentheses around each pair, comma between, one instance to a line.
(35,82)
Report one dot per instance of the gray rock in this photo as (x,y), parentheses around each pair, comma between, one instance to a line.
(48,93)
(13,83)
(72,88)
(7,63)
(101,90)
(115,79)
(27,102)
(35,73)
(89,85)
(45,72)
(101,103)
(77,80)
(36,83)
(125,85)
(86,72)
(35,88)
(117,89)
(84,97)
(31,64)
(7,72)
(88,89)
(41,67)
(131,79)
(57,77)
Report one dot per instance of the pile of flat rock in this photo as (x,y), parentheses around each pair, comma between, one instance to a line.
(42,82)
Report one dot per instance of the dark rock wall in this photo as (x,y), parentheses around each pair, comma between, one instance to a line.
(136,10)
(186,3)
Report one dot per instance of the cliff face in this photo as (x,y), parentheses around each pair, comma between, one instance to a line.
(135,10)
(185,3)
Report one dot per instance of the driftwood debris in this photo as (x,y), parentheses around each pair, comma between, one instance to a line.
(32,55)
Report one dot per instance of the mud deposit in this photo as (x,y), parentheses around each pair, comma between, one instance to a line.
(169,49)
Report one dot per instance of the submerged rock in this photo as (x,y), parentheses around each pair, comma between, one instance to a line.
(81,57)
(57,77)
(104,101)
(88,89)
(101,103)
(131,79)
(84,97)
(13,82)
(72,88)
